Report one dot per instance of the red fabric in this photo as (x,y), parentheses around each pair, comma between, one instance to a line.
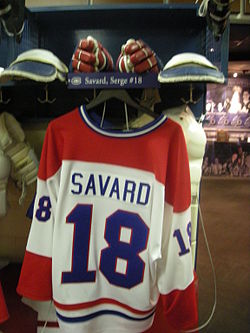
(131,47)
(98,302)
(142,54)
(137,57)
(90,56)
(103,149)
(82,67)
(32,284)
(85,56)
(178,189)
(177,303)
(148,64)
(4,314)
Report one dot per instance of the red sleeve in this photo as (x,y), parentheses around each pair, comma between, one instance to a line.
(32,284)
(51,156)
(178,184)
(180,305)
(35,281)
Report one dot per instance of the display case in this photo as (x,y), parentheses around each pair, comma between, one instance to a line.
(169,29)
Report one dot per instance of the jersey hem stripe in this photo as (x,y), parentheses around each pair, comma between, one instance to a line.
(100,313)
(99,302)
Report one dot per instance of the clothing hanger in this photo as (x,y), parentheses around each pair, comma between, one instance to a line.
(46,99)
(121,95)
(191,100)
(2,101)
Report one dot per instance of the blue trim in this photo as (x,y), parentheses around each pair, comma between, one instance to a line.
(115,7)
(191,72)
(100,313)
(112,80)
(34,67)
(119,133)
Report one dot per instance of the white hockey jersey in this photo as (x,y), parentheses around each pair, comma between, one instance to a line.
(111,227)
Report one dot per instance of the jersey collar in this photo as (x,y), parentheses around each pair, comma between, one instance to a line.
(121,133)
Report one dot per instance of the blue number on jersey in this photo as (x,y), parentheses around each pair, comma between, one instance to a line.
(81,217)
(189,231)
(180,240)
(43,213)
(128,251)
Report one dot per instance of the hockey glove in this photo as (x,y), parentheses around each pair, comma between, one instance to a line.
(137,57)
(91,56)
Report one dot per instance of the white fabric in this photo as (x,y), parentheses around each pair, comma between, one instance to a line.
(24,163)
(195,139)
(10,130)
(196,142)
(46,315)
(188,58)
(193,131)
